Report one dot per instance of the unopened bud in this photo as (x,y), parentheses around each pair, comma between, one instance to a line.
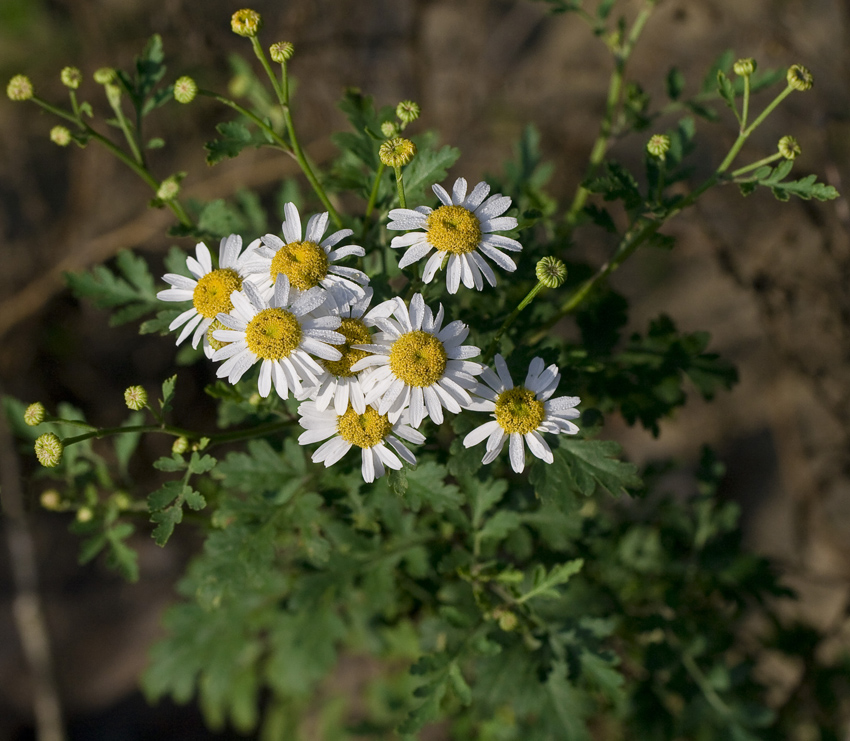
(113,95)
(135,397)
(507,620)
(282,51)
(246,22)
(397,151)
(19,88)
(84,514)
(799,77)
(389,129)
(180,446)
(168,189)
(658,145)
(407,111)
(744,67)
(789,148)
(48,450)
(185,89)
(34,414)
(551,272)
(122,500)
(50,499)
(104,75)
(71,77)
(60,135)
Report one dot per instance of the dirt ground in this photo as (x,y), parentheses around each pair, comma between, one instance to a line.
(769,280)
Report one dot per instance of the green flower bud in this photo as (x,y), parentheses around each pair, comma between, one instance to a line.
(51,499)
(507,620)
(104,75)
(551,272)
(744,67)
(60,135)
(135,397)
(658,145)
(246,22)
(799,77)
(71,77)
(84,514)
(789,148)
(113,94)
(180,446)
(185,89)
(389,129)
(19,88)
(407,111)
(282,51)
(48,450)
(168,189)
(34,414)
(121,500)
(397,152)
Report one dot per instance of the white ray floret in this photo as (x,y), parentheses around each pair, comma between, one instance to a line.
(377,437)
(462,230)
(521,413)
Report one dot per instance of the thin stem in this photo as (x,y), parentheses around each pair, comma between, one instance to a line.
(268,130)
(55,111)
(279,88)
(754,165)
(491,348)
(399,182)
(125,127)
(745,112)
(373,196)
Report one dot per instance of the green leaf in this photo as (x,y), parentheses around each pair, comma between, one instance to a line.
(459,684)
(165,495)
(427,486)
(171,463)
(234,138)
(155,143)
(167,393)
(429,166)
(675,82)
(543,583)
(499,525)
(483,494)
(262,469)
(201,464)
(166,520)
(725,89)
(220,219)
(194,499)
(723,63)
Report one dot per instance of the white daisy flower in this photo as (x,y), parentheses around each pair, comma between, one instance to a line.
(418,363)
(211,288)
(283,334)
(373,433)
(460,230)
(306,259)
(521,412)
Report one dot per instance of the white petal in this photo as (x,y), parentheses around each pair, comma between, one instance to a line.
(479,433)
(482,265)
(368,465)
(228,251)
(331,451)
(459,191)
(336,237)
(432,266)
(517,452)
(441,193)
(204,257)
(500,258)
(184,317)
(453,270)
(493,206)
(479,193)
(291,224)
(415,253)
(504,373)
(417,311)
(405,240)
(537,445)
(265,383)
(180,281)
(432,404)
(417,403)
(316,226)
(187,330)
(499,224)
(502,242)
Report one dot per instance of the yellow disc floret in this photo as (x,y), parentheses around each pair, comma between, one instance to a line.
(453,229)
(363,430)
(355,333)
(418,358)
(517,410)
(212,294)
(213,342)
(273,334)
(304,263)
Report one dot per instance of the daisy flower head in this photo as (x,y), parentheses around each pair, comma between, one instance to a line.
(283,334)
(521,412)
(462,231)
(418,363)
(306,259)
(371,431)
(210,289)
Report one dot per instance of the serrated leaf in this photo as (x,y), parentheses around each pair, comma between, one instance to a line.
(725,89)
(261,469)
(220,219)
(499,525)
(171,463)
(167,392)
(427,486)
(429,166)
(165,495)
(201,464)
(484,494)
(543,583)
(234,138)
(166,520)
(194,499)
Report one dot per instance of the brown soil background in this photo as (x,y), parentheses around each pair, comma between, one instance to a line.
(768,280)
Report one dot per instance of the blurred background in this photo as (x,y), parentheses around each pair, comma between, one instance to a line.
(769,281)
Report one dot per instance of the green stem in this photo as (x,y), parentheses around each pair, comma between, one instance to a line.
(373,196)
(491,348)
(399,182)
(268,130)
(754,165)
(745,112)
(55,111)
(125,127)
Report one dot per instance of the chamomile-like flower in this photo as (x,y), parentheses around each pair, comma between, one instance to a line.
(462,230)
(283,334)
(521,412)
(371,431)
(210,289)
(306,259)
(418,363)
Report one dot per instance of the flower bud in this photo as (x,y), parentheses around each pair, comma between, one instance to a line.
(113,95)
(84,514)
(507,619)
(104,75)
(744,67)
(396,152)
(48,450)
(34,414)
(51,499)
(389,129)
(60,135)
(551,272)
(168,189)
(180,445)
(19,88)
(658,145)
(185,89)
(407,111)
(122,500)
(71,77)
(799,77)
(246,22)
(135,397)
(789,148)
(282,51)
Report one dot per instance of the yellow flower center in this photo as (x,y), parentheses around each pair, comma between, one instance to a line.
(355,333)
(363,430)
(518,411)
(453,229)
(213,342)
(418,358)
(304,263)
(273,334)
(212,294)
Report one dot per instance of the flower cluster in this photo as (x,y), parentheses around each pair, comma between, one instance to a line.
(368,376)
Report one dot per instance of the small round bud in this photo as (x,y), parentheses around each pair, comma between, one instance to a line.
(396,152)
(282,51)
(789,148)
(60,135)
(246,22)
(48,450)
(180,446)
(50,499)
(389,129)
(71,77)
(122,500)
(407,111)
(19,88)
(135,397)
(34,414)
(799,77)
(104,75)
(84,514)
(113,95)
(185,89)
(507,620)
(744,67)
(551,272)
(168,189)
(658,145)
